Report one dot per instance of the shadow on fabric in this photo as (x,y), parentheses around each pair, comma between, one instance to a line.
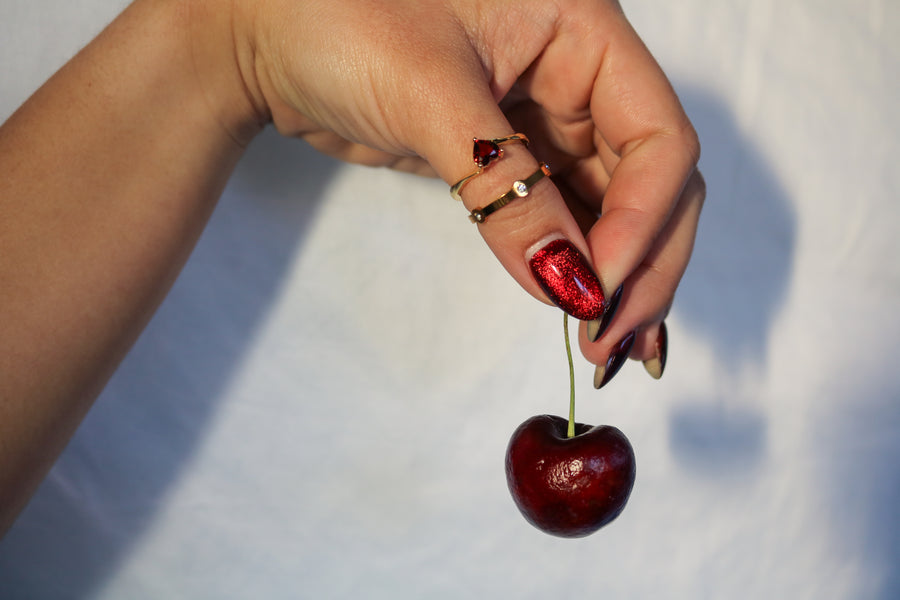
(105,490)
(731,294)
(859,474)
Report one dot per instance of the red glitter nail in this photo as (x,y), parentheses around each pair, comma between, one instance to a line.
(568,280)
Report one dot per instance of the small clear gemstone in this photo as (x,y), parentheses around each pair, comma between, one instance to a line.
(520,189)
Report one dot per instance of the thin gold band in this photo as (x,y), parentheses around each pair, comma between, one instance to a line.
(519,189)
(457,187)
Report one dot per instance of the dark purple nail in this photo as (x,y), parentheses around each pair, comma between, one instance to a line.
(617,356)
(656,365)
(597,327)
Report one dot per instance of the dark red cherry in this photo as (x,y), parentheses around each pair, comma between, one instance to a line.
(569,487)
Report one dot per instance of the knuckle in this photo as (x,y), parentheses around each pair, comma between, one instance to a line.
(695,189)
(690,141)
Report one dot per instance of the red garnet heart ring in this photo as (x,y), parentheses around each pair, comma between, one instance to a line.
(484,153)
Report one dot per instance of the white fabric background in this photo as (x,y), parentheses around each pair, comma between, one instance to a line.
(321,407)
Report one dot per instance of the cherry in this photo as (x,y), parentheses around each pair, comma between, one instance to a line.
(569,486)
(569,479)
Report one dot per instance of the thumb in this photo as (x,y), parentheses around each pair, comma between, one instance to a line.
(505,189)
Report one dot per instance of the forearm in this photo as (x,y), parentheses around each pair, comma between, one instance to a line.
(107,177)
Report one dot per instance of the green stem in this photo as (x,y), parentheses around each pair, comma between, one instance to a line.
(571,432)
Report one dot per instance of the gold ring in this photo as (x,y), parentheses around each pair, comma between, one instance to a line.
(484,153)
(519,189)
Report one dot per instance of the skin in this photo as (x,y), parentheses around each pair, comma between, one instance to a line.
(111,170)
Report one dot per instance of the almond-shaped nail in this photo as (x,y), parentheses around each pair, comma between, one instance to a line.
(597,327)
(656,365)
(567,278)
(617,356)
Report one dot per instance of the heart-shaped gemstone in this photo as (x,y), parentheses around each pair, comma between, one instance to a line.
(485,152)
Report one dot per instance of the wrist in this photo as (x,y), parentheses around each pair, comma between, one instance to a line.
(223,59)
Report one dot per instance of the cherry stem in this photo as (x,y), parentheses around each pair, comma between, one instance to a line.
(571,431)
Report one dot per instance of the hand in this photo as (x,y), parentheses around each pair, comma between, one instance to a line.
(149,119)
(409,83)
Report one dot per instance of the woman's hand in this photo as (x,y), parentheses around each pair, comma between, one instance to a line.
(410,83)
(111,169)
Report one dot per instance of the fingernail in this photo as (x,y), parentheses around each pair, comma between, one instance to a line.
(596,327)
(604,373)
(568,279)
(656,365)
